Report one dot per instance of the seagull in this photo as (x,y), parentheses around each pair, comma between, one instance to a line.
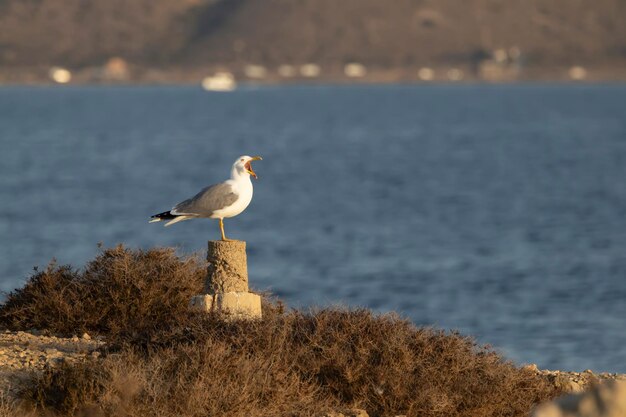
(217,201)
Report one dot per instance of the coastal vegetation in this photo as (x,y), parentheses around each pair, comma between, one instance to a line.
(160,359)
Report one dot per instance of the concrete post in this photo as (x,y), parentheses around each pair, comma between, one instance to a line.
(226,285)
(228,267)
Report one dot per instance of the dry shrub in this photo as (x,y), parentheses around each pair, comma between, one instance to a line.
(9,407)
(93,388)
(70,387)
(300,364)
(162,360)
(120,291)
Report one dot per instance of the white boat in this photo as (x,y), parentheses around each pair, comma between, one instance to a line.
(220,81)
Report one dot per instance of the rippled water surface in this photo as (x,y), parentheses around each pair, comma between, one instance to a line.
(496,210)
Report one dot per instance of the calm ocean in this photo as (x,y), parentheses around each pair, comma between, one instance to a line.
(499,211)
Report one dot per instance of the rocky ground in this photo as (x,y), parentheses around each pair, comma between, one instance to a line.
(25,352)
(574,382)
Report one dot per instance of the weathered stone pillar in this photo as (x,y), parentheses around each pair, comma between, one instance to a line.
(226,285)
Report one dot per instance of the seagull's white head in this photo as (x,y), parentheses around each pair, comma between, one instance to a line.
(242,165)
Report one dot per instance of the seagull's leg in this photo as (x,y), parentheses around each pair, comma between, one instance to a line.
(224,238)
(222,229)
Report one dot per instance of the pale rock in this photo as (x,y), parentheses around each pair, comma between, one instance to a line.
(575,387)
(603,400)
(531,367)
(567,384)
(548,410)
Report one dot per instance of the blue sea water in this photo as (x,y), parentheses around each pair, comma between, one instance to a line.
(499,211)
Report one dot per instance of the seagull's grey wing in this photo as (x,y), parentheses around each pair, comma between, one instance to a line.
(207,201)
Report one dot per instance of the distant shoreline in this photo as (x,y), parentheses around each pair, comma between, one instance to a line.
(134,75)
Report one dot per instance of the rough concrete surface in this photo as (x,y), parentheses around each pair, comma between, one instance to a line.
(226,286)
(237,304)
(228,267)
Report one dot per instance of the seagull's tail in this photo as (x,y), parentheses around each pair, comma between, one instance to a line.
(177,219)
(166,215)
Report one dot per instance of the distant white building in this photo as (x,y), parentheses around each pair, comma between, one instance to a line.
(310,70)
(60,75)
(426,74)
(455,74)
(354,69)
(287,71)
(577,73)
(255,71)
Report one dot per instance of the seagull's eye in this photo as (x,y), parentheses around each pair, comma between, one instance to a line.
(241,159)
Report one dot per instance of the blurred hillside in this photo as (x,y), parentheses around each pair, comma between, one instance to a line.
(182,39)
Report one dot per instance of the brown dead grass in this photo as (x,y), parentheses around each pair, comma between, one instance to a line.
(163,361)
(120,291)
(294,364)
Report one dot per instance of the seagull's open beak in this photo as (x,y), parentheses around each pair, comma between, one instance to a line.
(249,167)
